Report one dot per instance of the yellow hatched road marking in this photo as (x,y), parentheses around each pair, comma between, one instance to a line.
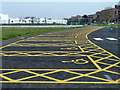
(83,49)
(59,82)
(56,80)
(107,64)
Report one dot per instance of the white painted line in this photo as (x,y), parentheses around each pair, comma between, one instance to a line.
(111,38)
(108,77)
(100,39)
(111,28)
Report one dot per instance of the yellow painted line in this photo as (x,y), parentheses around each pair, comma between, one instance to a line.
(10,44)
(42,75)
(42,44)
(81,75)
(102,59)
(67,80)
(112,72)
(79,46)
(102,49)
(111,65)
(18,80)
(99,46)
(59,82)
(114,59)
(98,78)
(77,61)
(95,63)
(118,80)
(70,48)
(76,42)
(76,36)
(7,78)
(43,53)
(51,69)
(68,61)
(107,64)
(90,59)
(81,49)
(10,72)
(97,54)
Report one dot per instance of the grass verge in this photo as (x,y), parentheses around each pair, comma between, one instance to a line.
(10,33)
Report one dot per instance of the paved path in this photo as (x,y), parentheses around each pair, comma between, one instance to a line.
(63,59)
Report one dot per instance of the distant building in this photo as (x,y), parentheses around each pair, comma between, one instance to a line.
(105,16)
(42,20)
(4,18)
(91,18)
(14,20)
(75,20)
(117,13)
(56,21)
(20,20)
(98,17)
(33,20)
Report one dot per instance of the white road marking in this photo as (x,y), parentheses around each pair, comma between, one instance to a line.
(111,38)
(111,28)
(108,77)
(100,39)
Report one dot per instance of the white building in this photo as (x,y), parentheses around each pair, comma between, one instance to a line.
(20,21)
(56,21)
(36,21)
(42,20)
(14,20)
(4,18)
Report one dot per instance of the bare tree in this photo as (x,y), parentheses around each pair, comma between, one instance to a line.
(108,14)
(85,18)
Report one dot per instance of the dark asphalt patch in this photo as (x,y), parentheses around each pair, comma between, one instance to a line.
(85,79)
(102,75)
(18,75)
(62,75)
(69,48)
(46,42)
(46,62)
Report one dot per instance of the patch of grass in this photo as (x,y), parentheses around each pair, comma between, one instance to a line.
(114,25)
(9,33)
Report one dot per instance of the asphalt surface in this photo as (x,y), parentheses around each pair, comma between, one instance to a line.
(112,46)
(63,59)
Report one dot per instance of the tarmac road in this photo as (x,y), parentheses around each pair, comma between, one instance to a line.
(108,38)
(63,59)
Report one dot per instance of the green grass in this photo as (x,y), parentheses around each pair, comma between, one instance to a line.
(114,25)
(10,33)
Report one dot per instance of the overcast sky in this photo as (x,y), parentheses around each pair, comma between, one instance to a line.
(59,0)
(55,10)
